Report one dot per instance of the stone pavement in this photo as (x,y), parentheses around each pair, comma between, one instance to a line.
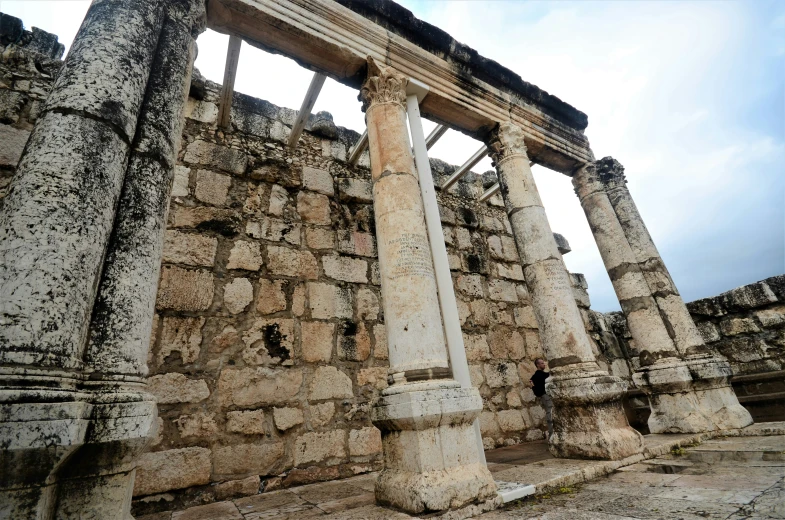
(679,477)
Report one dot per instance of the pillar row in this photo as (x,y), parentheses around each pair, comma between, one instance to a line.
(81,236)
(588,418)
(431,462)
(688,386)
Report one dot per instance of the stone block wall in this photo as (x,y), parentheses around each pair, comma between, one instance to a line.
(268,346)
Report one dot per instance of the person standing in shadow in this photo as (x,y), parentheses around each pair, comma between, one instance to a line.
(537,383)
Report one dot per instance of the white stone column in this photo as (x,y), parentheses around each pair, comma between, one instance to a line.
(689,385)
(75,414)
(431,458)
(589,421)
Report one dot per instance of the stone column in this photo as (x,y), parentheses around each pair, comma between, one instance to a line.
(71,389)
(431,459)
(588,418)
(688,385)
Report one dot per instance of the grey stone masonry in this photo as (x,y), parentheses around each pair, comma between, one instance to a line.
(75,418)
(588,418)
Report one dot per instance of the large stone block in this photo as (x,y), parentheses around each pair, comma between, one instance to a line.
(177,388)
(284,261)
(357,243)
(317,341)
(365,441)
(215,156)
(258,386)
(287,418)
(12,142)
(476,346)
(243,459)
(189,249)
(196,425)
(506,344)
(329,383)
(317,180)
(163,471)
(498,375)
(184,289)
(245,255)
(314,208)
(329,301)
(502,290)
(271,298)
(269,341)
(355,189)
(247,422)
(183,335)
(317,447)
(212,188)
(345,269)
(238,294)
(354,342)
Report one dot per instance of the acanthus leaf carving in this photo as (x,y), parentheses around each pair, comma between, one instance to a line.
(505,141)
(383,85)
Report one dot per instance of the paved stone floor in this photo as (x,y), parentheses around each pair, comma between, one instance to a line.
(732,478)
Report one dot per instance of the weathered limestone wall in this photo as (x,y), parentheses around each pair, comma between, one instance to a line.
(268,347)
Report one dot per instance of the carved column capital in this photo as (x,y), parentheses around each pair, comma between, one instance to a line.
(610,172)
(505,141)
(383,85)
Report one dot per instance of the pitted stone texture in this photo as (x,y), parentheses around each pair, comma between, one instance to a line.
(317,447)
(320,181)
(238,294)
(313,208)
(269,341)
(184,289)
(177,388)
(107,77)
(245,255)
(215,156)
(365,441)
(189,249)
(12,142)
(329,383)
(181,335)
(258,386)
(244,459)
(329,301)
(49,309)
(248,422)
(212,188)
(345,269)
(284,261)
(287,418)
(317,341)
(172,469)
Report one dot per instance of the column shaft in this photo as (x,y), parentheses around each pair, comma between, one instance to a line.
(58,215)
(411,306)
(588,418)
(430,454)
(688,386)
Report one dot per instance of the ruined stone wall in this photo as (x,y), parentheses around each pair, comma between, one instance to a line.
(268,346)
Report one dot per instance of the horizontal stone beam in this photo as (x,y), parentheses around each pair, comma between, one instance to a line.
(329,38)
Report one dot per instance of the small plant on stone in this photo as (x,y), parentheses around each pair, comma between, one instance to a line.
(678,451)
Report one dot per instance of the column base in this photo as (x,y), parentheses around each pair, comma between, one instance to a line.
(73,456)
(430,450)
(589,420)
(691,396)
(37,438)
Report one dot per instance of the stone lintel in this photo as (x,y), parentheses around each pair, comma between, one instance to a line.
(325,36)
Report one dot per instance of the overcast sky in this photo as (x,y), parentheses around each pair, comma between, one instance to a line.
(688,96)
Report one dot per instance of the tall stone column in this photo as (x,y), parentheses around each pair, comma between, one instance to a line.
(588,418)
(75,413)
(430,453)
(688,385)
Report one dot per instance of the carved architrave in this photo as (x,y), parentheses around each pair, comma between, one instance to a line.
(383,85)
(506,140)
